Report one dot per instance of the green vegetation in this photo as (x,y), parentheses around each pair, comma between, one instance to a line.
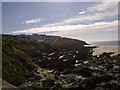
(19,55)
(15,63)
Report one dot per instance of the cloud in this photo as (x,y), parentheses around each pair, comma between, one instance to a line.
(33,21)
(81,13)
(100,11)
(80,27)
(102,31)
(103,6)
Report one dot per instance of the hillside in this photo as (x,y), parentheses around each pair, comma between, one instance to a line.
(15,63)
(21,56)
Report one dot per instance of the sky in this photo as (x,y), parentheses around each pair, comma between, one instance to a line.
(88,21)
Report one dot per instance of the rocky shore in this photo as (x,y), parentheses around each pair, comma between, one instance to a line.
(96,73)
(57,65)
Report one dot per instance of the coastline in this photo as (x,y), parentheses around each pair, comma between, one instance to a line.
(99,50)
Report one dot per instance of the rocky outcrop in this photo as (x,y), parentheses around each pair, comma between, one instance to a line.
(94,74)
(6,86)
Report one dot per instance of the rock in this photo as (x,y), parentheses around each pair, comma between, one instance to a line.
(100,88)
(113,85)
(85,62)
(95,81)
(72,78)
(56,87)
(106,55)
(30,75)
(85,72)
(88,84)
(7,86)
(48,83)
(101,78)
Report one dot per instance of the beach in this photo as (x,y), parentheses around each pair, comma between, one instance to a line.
(102,49)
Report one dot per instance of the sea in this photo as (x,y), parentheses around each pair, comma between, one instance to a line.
(106,46)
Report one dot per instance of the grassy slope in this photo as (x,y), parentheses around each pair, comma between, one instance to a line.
(15,63)
(17,56)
